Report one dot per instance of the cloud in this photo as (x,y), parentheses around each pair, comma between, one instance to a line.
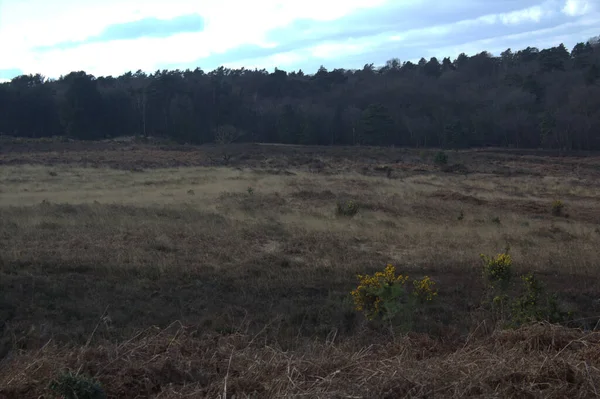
(408,31)
(405,16)
(575,8)
(152,27)
(118,57)
(142,28)
(112,37)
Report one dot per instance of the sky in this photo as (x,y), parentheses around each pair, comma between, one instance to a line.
(111,37)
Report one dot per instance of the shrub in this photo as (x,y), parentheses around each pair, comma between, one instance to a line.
(424,289)
(516,306)
(347,208)
(527,307)
(557,207)
(384,296)
(497,269)
(440,158)
(250,190)
(73,386)
(534,304)
(378,295)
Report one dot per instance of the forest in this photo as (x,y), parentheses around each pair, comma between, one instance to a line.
(530,98)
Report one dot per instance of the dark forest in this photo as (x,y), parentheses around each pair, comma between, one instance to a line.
(529,98)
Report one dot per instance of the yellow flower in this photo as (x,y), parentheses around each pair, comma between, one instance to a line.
(364,299)
(498,268)
(424,289)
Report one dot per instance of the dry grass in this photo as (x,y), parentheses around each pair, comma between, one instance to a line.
(264,274)
(538,361)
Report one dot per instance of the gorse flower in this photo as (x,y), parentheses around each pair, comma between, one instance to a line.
(375,294)
(424,289)
(498,269)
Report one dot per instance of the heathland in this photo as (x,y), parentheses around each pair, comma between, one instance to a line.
(225,271)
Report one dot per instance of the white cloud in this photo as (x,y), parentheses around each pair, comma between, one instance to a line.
(43,23)
(541,26)
(537,26)
(114,58)
(574,8)
(527,15)
(532,14)
(540,38)
(25,25)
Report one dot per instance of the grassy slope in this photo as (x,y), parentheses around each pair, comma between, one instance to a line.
(95,255)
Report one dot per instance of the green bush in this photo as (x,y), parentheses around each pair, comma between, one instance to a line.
(384,296)
(558,207)
(347,208)
(497,269)
(534,304)
(516,305)
(377,295)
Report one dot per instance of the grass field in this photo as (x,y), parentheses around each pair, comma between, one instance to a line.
(170,272)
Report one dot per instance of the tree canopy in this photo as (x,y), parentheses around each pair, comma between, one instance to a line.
(530,98)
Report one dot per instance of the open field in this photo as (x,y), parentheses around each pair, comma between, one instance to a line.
(173,271)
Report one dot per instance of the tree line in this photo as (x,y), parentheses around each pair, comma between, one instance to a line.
(530,98)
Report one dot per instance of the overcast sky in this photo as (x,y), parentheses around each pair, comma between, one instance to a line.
(110,37)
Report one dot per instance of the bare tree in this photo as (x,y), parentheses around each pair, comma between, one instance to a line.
(225,135)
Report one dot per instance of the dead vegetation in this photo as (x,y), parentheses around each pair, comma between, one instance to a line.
(257,268)
(538,361)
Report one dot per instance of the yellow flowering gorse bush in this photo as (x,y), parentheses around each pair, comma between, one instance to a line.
(374,291)
(424,289)
(498,269)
